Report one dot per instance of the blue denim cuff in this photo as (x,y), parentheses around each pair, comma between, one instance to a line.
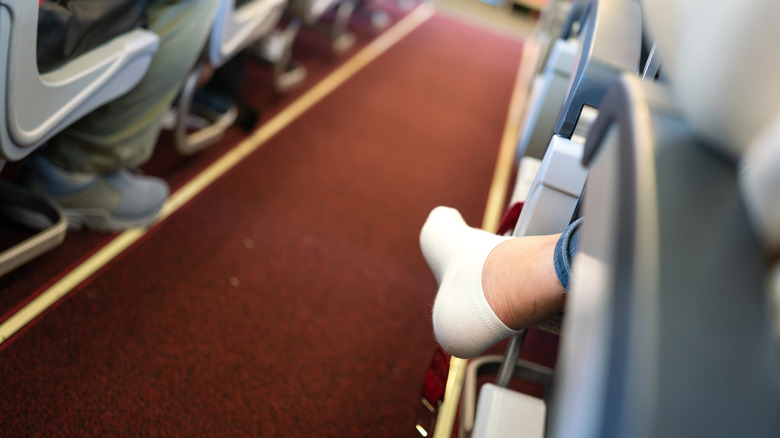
(565,250)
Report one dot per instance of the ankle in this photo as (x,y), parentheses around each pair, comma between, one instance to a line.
(519,281)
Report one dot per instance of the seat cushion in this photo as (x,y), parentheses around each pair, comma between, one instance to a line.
(68,28)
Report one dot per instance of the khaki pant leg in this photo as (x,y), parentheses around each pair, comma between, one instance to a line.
(124,132)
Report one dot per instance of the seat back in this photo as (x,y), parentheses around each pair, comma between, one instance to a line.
(238,25)
(668,329)
(667,259)
(723,68)
(37,106)
(611,45)
(741,119)
(559,20)
(547,97)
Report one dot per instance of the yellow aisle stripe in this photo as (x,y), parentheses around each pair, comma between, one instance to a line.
(201,181)
(445,420)
(494,208)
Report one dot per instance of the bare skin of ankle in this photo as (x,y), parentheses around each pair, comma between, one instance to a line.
(519,281)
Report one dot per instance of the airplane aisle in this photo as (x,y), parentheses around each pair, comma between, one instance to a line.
(290,297)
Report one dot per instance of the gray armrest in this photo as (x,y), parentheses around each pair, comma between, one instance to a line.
(36,106)
(611,45)
(234,29)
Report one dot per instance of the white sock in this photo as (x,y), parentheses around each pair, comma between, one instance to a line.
(463,321)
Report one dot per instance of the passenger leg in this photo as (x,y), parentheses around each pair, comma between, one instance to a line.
(123,133)
(85,168)
(491,286)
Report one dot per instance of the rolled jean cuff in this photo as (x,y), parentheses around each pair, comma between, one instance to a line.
(565,250)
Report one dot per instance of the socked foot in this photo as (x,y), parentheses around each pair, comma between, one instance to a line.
(519,281)
(519,291)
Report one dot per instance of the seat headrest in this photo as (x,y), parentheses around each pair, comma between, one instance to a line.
(722,63)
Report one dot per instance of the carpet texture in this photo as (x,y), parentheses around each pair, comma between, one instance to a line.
(290,298)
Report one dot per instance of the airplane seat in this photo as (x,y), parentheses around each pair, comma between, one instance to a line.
(556,189)
(670,306)
(277,47)
(577,11)
(560,20)
(558,43)
(611,45)
(735,69)
(547,96)
(552,17)
(740,120)
(679,242)
(289,73)
(378,16)
(37,105)
(238,23)
(311,12)
(668,257)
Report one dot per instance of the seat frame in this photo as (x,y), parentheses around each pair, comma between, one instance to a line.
(234,29)
(65,94)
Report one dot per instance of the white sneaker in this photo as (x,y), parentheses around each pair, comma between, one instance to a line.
(102,202)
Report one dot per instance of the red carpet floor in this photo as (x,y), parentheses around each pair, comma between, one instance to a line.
(290,298)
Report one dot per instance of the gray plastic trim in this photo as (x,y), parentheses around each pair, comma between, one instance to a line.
(611,45)
(66,94)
